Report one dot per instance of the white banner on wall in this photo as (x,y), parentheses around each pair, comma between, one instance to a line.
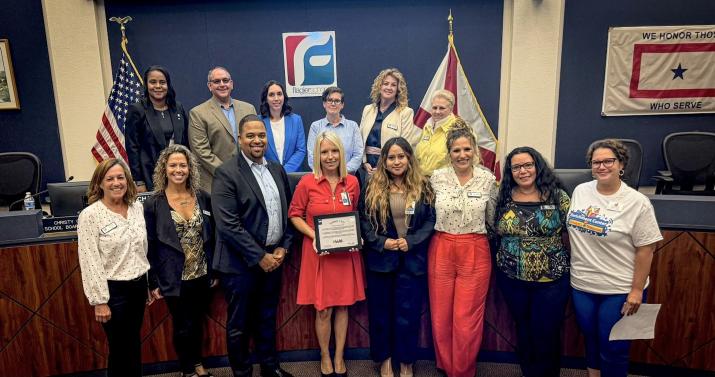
(309,61)
(660,70)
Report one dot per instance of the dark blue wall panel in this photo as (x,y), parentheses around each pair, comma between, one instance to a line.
(33,128)
(582,73)
(189,37)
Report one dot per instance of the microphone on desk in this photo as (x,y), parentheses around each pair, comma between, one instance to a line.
(69,179)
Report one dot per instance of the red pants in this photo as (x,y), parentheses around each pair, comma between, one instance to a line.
(458,273)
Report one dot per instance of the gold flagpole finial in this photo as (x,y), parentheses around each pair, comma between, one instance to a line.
(121,21)
(451,30)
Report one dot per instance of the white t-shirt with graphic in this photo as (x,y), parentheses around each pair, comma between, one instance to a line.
(604,231)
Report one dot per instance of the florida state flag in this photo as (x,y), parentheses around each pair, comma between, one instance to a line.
(450,75)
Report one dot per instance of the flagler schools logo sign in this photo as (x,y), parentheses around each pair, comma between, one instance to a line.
(309,61)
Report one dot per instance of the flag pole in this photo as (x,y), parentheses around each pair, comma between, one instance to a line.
(450,19)
(123,21)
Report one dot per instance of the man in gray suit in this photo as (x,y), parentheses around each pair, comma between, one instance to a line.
(213,125)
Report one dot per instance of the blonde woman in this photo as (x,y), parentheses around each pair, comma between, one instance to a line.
(387,116)
(431,152)
(396,228)
(331,282)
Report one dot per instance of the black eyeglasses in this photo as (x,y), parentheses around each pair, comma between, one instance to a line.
(607,163)
(526,166)
(333,101)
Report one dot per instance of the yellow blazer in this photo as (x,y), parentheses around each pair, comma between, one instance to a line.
(398,123)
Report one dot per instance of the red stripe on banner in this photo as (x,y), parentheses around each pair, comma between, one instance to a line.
(450,81)
(97,156)
(421,117)
(291,44)
(640,49)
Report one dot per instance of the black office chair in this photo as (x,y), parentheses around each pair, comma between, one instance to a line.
(632,173)
(20,172)
(690,159)
(571,178)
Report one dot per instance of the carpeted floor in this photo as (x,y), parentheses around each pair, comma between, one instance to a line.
(366,368)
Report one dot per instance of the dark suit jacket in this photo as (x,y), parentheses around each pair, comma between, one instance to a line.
(144,138)
(418,237)
(165,255)
(241,217)
(294,145)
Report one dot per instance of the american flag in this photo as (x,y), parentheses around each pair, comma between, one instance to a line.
(125,91)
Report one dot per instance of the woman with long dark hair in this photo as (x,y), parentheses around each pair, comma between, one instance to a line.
(284,128)
(397,220)
(152,124)
(532,260)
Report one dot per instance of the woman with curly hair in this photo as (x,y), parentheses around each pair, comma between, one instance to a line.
(459,263)
(396,229)
(387,116)
(180,231)
(532,260)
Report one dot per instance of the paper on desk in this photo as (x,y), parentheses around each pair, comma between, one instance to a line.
(637,326)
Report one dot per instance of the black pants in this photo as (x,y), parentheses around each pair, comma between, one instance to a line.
(538,310)
(127,300)
(187,313)
(394,307)
(252,299)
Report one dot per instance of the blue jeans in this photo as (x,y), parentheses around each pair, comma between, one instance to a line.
(596,314)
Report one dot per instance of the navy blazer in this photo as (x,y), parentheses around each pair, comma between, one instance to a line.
(166,255)
(294,146)
(144,138)
(419,233)
(241,216)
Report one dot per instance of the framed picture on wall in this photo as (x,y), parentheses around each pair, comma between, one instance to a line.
(8,87)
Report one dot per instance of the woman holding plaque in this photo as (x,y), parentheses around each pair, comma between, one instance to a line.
(329,282)
(396,228)
(459,261)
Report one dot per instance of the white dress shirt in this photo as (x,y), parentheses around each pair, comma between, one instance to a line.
(110,248)
(464,209)
(279,137)
(271,196)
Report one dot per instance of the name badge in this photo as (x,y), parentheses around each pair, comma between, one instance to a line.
(473,194)
(207,213)
(425,138)
(410,210)
(548,206)
(613,206)
(392,126)
(109,228)
(345,198)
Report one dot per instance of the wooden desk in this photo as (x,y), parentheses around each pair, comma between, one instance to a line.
(47,327)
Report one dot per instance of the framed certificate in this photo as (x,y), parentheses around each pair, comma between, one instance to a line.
(337,232)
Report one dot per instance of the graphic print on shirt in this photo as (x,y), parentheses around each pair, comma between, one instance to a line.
(590,221)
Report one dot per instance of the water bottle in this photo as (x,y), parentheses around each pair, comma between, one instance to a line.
(29,202)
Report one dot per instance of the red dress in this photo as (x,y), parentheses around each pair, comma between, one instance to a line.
(330,280)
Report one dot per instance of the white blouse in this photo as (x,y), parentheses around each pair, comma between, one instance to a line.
(464,209)
(279,136)
(110,248)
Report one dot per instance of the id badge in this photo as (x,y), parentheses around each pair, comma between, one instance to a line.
(345,198)
(474,194)
(547,207)
(392,126)
(207,213)
(410,210)
(109,228)
(613,206)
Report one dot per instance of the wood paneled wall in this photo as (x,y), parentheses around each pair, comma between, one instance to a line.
(47,326)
